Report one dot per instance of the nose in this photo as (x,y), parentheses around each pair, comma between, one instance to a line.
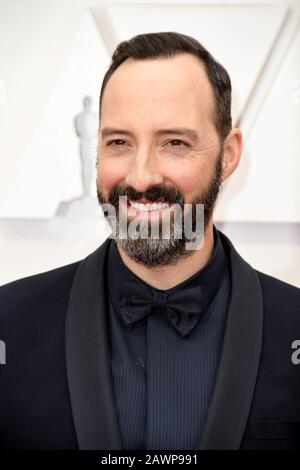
(144,171)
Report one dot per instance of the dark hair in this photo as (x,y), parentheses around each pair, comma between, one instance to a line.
(169,44)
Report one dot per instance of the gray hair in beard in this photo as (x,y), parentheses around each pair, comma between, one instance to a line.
(162,251)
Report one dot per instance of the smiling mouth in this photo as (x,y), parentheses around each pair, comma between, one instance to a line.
(143,205)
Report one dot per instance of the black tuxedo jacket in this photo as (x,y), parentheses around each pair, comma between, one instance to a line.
(56,389)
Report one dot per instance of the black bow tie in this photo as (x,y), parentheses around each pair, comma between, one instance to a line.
(183,308)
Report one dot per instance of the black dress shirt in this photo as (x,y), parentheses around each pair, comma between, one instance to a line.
(163,382)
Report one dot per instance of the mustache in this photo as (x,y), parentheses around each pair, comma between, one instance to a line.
(153,194)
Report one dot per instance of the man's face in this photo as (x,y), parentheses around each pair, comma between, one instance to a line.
(158,142)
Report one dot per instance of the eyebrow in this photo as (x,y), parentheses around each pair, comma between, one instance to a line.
(183,131)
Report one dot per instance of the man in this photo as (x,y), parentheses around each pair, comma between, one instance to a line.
(146,343)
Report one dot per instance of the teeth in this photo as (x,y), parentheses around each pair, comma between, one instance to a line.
(148,206)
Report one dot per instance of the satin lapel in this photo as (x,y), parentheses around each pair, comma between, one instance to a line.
(88,357)
(230,406)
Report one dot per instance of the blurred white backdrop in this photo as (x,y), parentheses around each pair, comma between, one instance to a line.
(55,53)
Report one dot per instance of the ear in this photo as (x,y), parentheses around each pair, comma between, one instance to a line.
(232,150)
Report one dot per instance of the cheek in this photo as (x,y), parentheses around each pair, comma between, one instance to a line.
(191,178)
(109,175)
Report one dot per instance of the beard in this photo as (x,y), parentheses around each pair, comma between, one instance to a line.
(152,252)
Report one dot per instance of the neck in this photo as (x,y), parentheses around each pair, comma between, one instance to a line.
(165,277)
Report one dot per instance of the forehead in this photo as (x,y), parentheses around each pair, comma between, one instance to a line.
(158,90)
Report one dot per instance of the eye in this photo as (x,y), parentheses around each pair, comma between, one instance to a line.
(177,143)
(117,142)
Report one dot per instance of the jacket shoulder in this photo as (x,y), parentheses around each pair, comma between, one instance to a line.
(281,300)
(277,288)
(36,291)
